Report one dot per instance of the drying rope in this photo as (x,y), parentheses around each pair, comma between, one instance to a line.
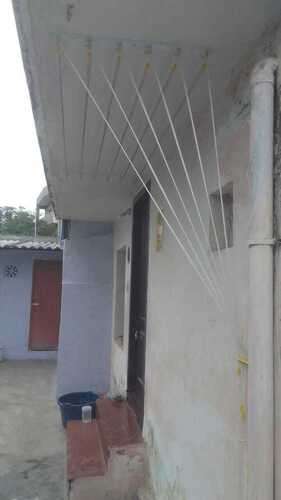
(89,61)
(131,114)
(173,232)
(211,100)
(195,201)
(153,111)
(203,175)
(114,81)
(189,218)
(158,181)
(179,108)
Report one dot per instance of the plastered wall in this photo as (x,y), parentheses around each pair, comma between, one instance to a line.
(192,351)
(85,333)
(196,389)
(193,392)
(15,303)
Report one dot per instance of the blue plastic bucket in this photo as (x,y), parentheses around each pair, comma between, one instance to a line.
(71,405)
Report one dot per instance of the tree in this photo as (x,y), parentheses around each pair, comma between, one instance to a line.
(20,221)
(46,229)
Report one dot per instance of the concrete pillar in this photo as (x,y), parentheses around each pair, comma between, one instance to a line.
(260,387)
(85,328)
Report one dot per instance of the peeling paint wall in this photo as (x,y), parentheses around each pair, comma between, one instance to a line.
(198,448)
(15,303)
(196,389)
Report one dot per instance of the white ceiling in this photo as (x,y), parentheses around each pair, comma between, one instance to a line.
(84,170)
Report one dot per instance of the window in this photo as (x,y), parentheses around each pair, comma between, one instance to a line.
(227,198)
(120,287)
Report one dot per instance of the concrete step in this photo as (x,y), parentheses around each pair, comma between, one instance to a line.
(85,454)
(99,489)
(118,424)
(107,458)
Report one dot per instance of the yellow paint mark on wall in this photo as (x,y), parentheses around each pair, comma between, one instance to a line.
(243,360)
(243,412)
(159,232)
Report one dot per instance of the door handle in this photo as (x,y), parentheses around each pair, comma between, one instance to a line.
(35,304)
(138,334)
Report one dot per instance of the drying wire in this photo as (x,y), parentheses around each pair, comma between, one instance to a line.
(189,218)
(131,114)
(158,181)
(114,81)
(59,52)
(169,225)
(211,100)
(137,173)
(153,111)
(203,175)
(195,201)
(212,112)
(178,109)
(89,60)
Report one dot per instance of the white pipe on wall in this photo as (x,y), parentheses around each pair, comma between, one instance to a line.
(260,386)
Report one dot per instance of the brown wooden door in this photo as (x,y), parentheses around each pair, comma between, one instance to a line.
(137,341)
(45,305)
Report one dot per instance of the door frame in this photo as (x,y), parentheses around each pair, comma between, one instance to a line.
(139,195)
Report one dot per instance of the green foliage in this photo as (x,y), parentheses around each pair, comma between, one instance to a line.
(20,221)
(45,229)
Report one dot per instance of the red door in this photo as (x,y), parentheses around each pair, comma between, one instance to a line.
(45,305)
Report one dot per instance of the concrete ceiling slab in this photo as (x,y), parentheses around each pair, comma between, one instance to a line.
(84,167)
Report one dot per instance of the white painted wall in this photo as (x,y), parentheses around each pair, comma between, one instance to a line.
(192,352)
(193,393)
(192,424)
(196,391)
(15,303)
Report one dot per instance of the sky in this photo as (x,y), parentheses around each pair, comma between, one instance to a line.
(21,169)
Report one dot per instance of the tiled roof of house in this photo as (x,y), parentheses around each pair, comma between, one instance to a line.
(29,244)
